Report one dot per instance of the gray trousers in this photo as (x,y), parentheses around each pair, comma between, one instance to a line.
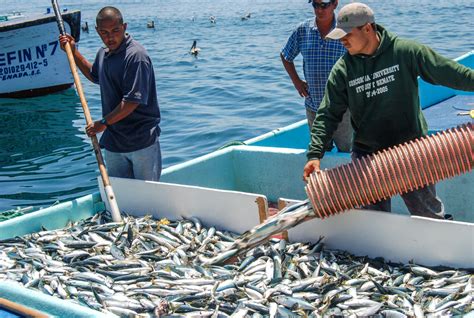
(143,164)
(421,202)
(342,137)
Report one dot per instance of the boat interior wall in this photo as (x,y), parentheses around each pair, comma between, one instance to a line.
(226,210)
(295,135)
(213,170)
(53,306)
(274,172)
(51,218)
(361,232)
(457,195)
(432,94)
(249,171)
(416,239)
(269,171)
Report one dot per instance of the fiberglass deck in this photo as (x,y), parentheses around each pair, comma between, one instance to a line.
(445,114)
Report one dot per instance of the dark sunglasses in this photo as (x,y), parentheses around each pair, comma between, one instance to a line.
(321,5)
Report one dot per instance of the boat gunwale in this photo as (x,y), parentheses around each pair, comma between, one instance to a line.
(72,17)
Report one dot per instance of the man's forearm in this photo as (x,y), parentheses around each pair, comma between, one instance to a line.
(290,69)
(83,64)
(120,112)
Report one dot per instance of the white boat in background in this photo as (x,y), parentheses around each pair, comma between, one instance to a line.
(11,16)
(31,61)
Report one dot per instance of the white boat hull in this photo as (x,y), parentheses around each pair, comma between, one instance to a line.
(31,61)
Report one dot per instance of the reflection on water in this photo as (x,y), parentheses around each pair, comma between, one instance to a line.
(42,154)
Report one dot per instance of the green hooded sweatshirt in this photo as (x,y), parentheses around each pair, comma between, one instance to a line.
(381,92)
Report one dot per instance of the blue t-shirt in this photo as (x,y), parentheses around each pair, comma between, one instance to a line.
(127,74)
(319,56)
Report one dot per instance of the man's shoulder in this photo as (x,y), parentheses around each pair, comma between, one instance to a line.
(101,51)
(304,24)
(407,49)
(341,64)
(400,44)
(307,23)
(341,68)
(134,45)
(404,43)
(136,50)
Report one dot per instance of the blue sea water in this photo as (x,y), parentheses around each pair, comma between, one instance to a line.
(234,90)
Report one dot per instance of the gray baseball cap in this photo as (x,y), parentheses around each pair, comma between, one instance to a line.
(351,16)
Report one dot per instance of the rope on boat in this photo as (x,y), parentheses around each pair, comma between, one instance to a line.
(13,213)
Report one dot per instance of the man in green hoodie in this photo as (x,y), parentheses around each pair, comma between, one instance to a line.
(377,80)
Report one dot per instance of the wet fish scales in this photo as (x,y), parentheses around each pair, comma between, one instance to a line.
(150,273)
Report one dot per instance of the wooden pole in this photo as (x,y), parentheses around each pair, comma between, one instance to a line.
(20,310)
(95,143)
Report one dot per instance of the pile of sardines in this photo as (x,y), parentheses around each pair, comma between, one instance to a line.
(155,268)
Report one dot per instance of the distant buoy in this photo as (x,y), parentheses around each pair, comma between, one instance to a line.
(150,24)
(194,49)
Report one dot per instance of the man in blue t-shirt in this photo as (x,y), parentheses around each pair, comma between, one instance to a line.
(319,56)
(131,115)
